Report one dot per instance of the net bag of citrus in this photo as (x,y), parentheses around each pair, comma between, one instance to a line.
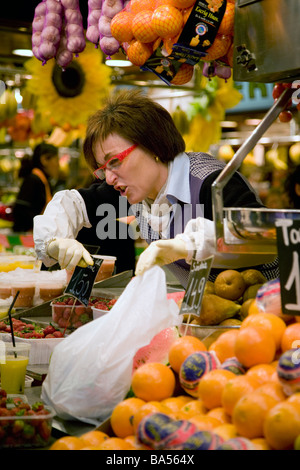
(90,370)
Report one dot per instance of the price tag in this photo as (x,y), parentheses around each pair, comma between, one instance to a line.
(288,246)
(192,299)
(82,281)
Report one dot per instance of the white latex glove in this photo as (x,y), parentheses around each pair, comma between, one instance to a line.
(69,253)
(161,252)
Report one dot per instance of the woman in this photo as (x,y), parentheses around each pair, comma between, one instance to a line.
(35,191)
(134,144)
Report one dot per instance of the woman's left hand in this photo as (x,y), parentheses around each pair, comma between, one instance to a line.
(161,252)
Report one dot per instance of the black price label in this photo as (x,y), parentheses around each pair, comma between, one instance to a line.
(192,299)
(288,246)
(82,281)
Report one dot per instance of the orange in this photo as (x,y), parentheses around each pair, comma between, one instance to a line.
(68,443)
(115,443)
(226,430)
(94,438)
(262,373)
(211,387)
(138,52)
(220,414)
(182,3)
(167,21)
(249,414)
(224,345)
(254,308)
(227,23)
(136,6)
(294,398)
(273,390)
(184,75)
(122,416)
(186,13)
(218,49)
(261,443)
(141,27)
(268,322)
(153,381)
(193,407)
(254,346)
(145,410)
(181,348)
(291,337)
(121,26)
(204,422)
(175,403)
(282,425)
(135,443)
(234,390)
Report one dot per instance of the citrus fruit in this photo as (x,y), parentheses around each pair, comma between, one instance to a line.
(212,385)
(204,422)
(141,27)
(254,346)
(269,322)
(167,21)
(175,403)
(294,398)
(273,390)
(235,389)
(195,366)
(218,49)
(291,337)
(94,438)
(297,443)
(224,345)
(182,3)
(227,23)
(137,6)
(132,439)
(122,416)
(203,440)
(138,52)
(262,373)
(254,308)
(282,426)
(182,348)
(121,26)
(220,414)
(234,366)
(68,443)
(249,414)
(184,75)
(115,443)
(146,409)
(226,431)
(260,443)
(237,443)
(193,407)
(153,381)
(158,348)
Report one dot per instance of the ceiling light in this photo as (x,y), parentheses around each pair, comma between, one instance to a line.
(118,63)
(23,52)
(229,124)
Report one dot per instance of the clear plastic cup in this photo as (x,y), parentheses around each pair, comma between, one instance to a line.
(26,293)
(13,364)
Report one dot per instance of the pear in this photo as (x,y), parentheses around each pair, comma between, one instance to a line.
(209,288)
(253,276)
(245,308)
(251,291)
(215,309)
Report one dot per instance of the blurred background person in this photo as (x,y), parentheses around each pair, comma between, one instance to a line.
(35,190)
(292,188)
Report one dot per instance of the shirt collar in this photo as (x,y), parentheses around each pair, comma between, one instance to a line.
(178,182)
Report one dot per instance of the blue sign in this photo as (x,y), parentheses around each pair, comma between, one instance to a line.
(256,97)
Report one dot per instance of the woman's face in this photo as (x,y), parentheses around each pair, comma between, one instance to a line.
(139,175)
(51,165)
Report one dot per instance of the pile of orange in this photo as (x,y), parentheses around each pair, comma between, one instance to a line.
(253,405)
(143,25)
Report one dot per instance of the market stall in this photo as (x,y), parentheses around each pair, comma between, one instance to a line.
(141,363)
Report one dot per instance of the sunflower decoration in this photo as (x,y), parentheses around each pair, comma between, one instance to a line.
(72,94)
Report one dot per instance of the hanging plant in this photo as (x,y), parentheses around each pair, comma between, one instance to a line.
(72,94)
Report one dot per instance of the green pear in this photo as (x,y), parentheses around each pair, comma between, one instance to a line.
(215,309)
(209,288)
(251,291)
(253,276)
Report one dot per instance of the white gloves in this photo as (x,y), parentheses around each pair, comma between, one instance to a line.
(161,252)
(69,253)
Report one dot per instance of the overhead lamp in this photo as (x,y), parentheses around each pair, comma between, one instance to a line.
(23,52)
(118,63)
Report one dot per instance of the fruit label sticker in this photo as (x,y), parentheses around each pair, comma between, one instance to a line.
(288,247)
(192,299)
(82,281)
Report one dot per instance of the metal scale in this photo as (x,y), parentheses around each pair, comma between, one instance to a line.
(266,49)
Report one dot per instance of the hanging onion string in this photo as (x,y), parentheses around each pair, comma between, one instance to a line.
(70,81)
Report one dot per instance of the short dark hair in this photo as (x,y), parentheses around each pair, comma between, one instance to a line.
(43,149)
(137,118)
(292,179)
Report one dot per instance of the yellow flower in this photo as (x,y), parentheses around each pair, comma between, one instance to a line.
(72,95)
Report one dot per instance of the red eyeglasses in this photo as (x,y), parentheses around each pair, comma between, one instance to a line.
(113,163)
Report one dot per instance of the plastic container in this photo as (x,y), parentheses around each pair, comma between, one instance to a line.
(26,295)
(107,267)
(64,317)
(97,312)
(12,262)
(5,289)
(49,290)
(26,431)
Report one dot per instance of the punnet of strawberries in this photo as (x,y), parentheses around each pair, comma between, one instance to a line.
(30,330)
(23,425)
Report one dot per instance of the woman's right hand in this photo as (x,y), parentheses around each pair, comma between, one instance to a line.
(69,253)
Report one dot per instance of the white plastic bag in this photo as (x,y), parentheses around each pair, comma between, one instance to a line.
(90,370)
